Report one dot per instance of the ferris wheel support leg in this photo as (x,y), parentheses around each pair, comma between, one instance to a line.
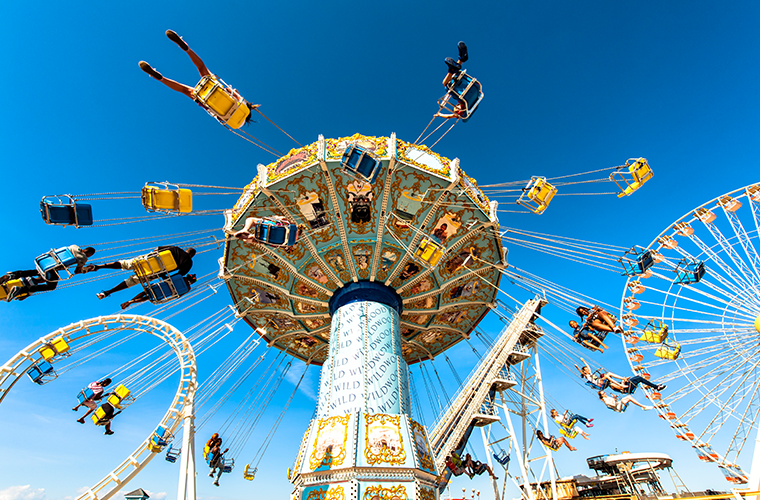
(754,472)
(496,495)
(527,490)
(186,488)
(549,457)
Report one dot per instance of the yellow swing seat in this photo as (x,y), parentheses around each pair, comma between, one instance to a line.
(154,263)
(249,473)
(212,93)
(57,347)
(120,397)
(5,289)
(669,349)
(631,176)
(429,252)
(655,332)
(569,432)
(537,195)
(165,197)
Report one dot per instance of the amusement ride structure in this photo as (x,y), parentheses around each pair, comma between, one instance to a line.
(369,256)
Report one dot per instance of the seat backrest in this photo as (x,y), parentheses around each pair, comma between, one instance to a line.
(277,235)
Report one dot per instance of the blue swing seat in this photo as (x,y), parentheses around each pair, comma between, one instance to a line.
(172,455)
(160,438)
(85,395)
(56,260)
(65,211)
(467,90)
(689,272)
(502,457)
(41,372)
(171,287)
(360,161)
(637,263)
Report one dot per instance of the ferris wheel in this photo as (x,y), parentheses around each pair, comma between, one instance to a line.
(691,306)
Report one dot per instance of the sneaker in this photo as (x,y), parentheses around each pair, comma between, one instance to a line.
(454,67)
(211,474)
(216,483)
(13,293)
(102,295)
(462,52)
(80,420)
(648,408)
(661,387)
(590,419)
(152,72)
(108,433)
(589,425)
(174,37)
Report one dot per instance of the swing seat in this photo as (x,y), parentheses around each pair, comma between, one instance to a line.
(217,98)
(41,372)
(655,332)
(229,464)
(502,457)
(464,89)
(568,432)
(57,347)
(59,259)
(537,195)
(6,288)
(631,176)
(154,263)
(275,232)
(120,397)
(103,414)
(357,160)
(169,288)
(670,349)
(429,252)
(159,439)
(635,263)
(65,211)
(249,473)
(85,394)
(689,272)
(172,455)
(167,198)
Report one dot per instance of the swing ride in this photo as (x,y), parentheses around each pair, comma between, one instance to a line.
(371,257)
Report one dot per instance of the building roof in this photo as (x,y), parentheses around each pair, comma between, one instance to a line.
(139,493)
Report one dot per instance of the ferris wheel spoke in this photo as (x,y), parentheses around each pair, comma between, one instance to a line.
(732,402)
(749,276)
(745,426)
(710,398)
(716,259)
(744,241)
(695,290)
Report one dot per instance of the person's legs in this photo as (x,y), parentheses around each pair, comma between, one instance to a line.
(562,441)
(219,474)
(179,87)
(174,37)
(638,379)
(42,286)
(630,399)
(108,429)
(579,418)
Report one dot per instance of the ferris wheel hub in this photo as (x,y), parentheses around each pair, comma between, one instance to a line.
(757,324)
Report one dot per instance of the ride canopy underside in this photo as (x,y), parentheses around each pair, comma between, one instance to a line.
(414,222)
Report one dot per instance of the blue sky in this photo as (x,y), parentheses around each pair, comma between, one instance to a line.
(569,87)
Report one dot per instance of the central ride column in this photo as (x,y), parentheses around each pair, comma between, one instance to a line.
(363,442)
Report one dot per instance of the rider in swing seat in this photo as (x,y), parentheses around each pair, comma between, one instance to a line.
(35,283)
(204,72)
(552,442)
(455,67)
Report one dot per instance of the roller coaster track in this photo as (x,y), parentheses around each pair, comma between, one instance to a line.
(180,411)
